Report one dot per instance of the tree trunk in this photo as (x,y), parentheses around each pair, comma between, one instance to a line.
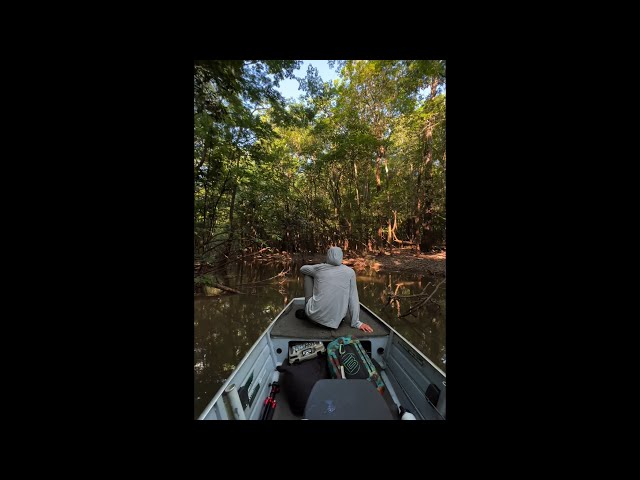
(435,81)
(203,236)
(231,209)
(355,170)
(379,159)
(231,229)
(422,201)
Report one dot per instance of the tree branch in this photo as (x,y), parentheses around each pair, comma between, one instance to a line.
(421,294)
(281,274)
(226,289)
(422,302)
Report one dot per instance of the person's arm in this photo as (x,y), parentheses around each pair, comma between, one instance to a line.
(309,270)
(354,306)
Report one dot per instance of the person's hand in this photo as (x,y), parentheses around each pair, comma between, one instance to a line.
(365,328)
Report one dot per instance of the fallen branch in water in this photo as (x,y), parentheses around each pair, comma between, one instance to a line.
(421,302)
(394,296)
(225,288)
(233,290)
(224,264)
(243,255)
(281,274)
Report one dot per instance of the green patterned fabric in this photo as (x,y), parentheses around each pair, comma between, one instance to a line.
(349,353)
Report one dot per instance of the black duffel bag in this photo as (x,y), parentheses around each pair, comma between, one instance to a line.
(300,378)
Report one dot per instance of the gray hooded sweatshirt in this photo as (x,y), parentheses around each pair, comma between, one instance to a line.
(334,291)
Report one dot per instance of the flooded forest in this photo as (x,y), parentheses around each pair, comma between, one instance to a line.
(356,161)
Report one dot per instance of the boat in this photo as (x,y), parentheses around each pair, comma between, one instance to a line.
(414,387)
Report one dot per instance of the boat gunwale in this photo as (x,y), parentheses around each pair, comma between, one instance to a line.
(395,332)
(267,331)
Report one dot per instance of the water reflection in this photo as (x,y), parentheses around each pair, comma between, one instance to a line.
(226,327)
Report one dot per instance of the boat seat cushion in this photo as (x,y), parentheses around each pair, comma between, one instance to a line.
(299,379)
(345,399)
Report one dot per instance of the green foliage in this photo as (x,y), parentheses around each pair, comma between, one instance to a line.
(203,280)
(304,175)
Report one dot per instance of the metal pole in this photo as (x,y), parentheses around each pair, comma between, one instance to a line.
(234,401)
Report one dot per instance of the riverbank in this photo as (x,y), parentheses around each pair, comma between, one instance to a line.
(402,260)
(395,260)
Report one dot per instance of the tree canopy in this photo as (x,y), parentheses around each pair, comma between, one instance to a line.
(359,162)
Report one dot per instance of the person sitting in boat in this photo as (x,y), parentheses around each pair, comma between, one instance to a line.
(330,292)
